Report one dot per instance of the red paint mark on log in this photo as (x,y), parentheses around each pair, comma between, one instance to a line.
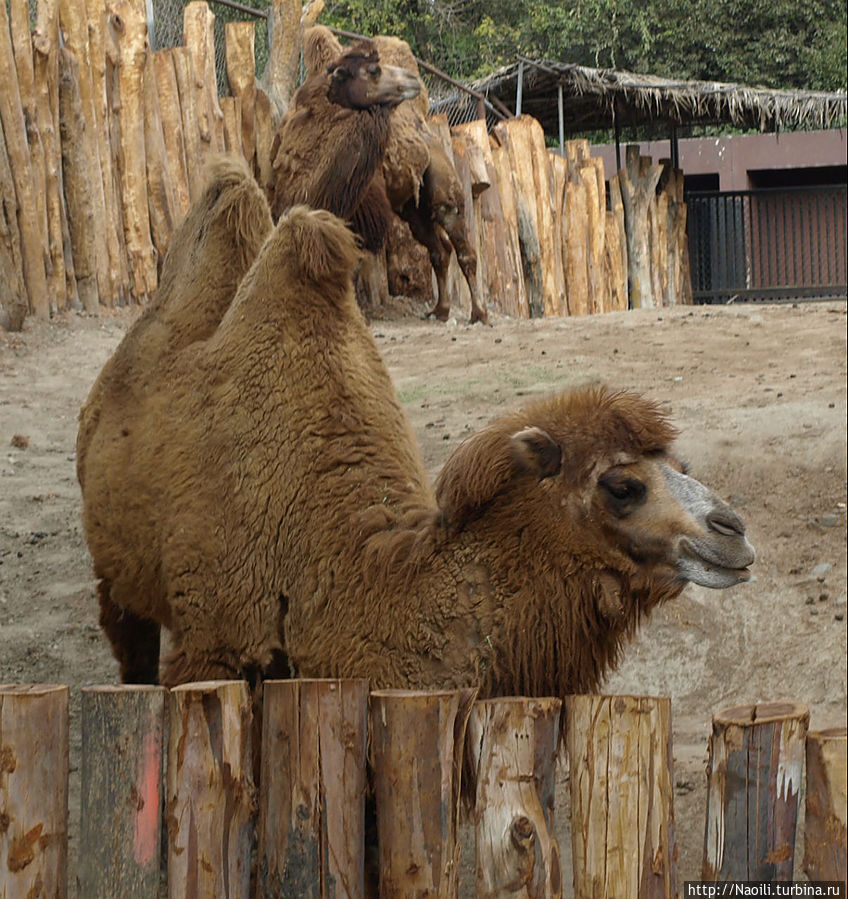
(22,852)
(146,819)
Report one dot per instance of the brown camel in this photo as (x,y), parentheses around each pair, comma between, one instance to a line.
(329,147)
(266,495)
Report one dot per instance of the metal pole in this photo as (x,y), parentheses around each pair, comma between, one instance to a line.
(617,130)
(675,147)
(561,121)
(519,88)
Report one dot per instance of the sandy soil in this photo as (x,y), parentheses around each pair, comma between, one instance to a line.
(759,394)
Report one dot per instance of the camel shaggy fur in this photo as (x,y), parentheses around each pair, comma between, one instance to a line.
(268,498)
(413,176)
(330,145)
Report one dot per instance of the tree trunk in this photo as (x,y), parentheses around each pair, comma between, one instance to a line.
(118,270)
(45,45)
(417,741)
(161,205)
(128,28)
(312,804)
(241,75)
(638,183)
(34,789)
(513,748)
(620,762)
(756,756)
(199,37)
(210,792)
(825,830)
(172,130)
(86,232)
(17,150)
(121,803)
(184,73)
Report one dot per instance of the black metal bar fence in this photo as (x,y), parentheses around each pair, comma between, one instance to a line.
(768,245)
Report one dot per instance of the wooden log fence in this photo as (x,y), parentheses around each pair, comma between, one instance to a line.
(185,762)
(103,145)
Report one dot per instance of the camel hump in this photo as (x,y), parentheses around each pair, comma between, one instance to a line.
(227,170)
(314,245)
(320,48)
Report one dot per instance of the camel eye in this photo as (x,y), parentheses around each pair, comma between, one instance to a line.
(623,493)
(340,74)
(374,70)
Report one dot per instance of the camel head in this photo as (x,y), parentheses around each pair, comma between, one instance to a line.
(589,476)
(359,81)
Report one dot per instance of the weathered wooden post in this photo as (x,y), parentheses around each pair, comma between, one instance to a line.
(121,802)
(34,790)
(417,741)
(312,796)
(825,832)
(513,750)
(622,812)
(210,792)
(756,757)
(638,185)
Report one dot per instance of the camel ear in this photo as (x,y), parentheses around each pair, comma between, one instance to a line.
(535,450)
(483,466)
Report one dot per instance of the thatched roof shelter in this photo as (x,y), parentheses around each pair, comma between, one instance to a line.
(595,99)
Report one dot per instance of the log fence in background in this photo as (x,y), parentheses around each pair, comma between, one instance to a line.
(310,809)
(104,142)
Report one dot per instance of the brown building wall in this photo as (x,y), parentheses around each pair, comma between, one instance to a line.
(733,158)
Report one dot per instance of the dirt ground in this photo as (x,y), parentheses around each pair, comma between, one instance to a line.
(758,392)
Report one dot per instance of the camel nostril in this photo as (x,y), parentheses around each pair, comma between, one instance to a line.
(727,523)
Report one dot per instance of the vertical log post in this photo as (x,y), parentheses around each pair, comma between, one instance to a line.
(825,831)
(312,801)
(756,756)
(161,204)
(86,231)
(417,741)
(74,23)
(241,75)
(13,128)
(121,803)
(13,294)
(128,28)
(114,224)
(516,302)
(34,790)
(622,815)
(184,73)
(45,46)
(513,749)
(638,184)
(210,792)
(616,248)
(172,129)
(199,37)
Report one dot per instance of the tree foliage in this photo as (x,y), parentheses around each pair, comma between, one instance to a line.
(773,43)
